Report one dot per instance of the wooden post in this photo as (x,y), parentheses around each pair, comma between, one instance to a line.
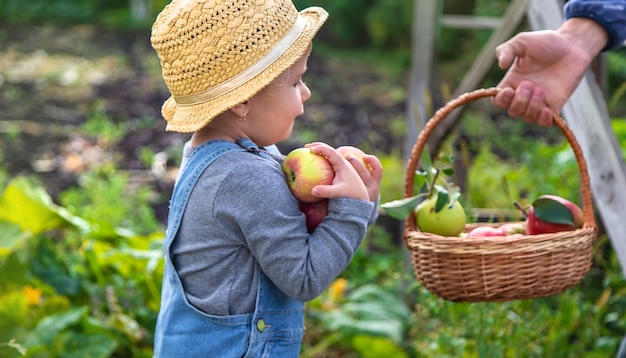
(481,65)
(425,19)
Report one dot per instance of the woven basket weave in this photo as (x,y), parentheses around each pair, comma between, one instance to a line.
(504,268)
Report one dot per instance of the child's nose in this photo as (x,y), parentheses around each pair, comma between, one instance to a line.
(306,93)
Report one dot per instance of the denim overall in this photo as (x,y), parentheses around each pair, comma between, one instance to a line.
(274,329)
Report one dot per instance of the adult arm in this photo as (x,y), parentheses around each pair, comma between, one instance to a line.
(547,66)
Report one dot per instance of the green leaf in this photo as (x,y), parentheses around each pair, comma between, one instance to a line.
(51,326)
(419,180)
(30,207)
(449,171)
(11,236)
(552,211)
(442,198)
(454,193)
(78,345)
(373,347)
(48,266)
(446,158)
(126,324)
(370,310)
(425,161)
(401,208)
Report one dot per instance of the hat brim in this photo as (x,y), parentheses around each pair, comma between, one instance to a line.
(188,119)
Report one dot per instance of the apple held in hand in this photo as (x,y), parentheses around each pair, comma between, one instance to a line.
(315,213)
(449,221)
(303,170)
(551,213)
(356,152)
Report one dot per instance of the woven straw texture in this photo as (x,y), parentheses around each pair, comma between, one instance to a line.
(205,44)
(504,268)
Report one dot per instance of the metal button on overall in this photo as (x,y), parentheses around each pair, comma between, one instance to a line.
(260,325)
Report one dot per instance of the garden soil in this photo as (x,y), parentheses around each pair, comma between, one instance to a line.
(72,99)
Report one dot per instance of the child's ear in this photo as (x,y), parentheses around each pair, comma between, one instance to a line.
(240,110)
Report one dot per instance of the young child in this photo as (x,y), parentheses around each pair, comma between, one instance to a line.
(239,262)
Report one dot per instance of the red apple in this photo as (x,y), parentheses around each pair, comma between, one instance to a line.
(304,170)
(577,212)
(486,231)
(315,213)
(551,213)
(358,153)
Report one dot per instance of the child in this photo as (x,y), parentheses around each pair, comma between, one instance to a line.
(239,262)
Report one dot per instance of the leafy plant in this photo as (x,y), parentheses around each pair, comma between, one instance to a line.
(369,319)
(106,198)
(66,291)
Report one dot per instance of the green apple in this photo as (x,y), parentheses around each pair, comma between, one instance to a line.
(449,221)
(304,170)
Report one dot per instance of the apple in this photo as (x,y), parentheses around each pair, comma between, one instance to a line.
(552,213)
(513,228)
(304,170)
(315,213)
(356,152)
(577,212)
(486,231)
(449,221)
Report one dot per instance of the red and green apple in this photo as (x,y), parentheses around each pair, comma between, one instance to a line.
(304,170)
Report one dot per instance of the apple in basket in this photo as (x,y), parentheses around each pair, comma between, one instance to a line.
(304,170)
(314,213)
(448,221)
(552,213)
(486,231)
(513,228)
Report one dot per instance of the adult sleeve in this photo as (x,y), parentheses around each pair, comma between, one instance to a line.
(610,14)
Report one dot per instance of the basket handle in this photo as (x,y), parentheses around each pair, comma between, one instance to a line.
(440,115)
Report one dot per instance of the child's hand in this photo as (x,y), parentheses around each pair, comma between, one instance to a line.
(368,166)
(347,182)
(371,176)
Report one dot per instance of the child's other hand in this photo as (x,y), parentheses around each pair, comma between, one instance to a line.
(371,176)
(347,182)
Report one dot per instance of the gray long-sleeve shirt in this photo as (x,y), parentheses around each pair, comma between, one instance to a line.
(241,213)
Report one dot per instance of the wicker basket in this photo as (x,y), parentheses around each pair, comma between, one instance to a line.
(499,268)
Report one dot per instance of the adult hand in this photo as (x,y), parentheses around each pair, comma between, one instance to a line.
(545,68)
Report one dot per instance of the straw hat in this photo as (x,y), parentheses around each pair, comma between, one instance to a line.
(216,54)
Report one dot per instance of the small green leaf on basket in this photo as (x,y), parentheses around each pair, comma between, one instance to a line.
(446,158)
(442,198)
(401,208)
(419,180)
(449,171)
(552,211)
(454,193)
(426,161)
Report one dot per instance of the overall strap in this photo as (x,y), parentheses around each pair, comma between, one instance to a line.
(200,159)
